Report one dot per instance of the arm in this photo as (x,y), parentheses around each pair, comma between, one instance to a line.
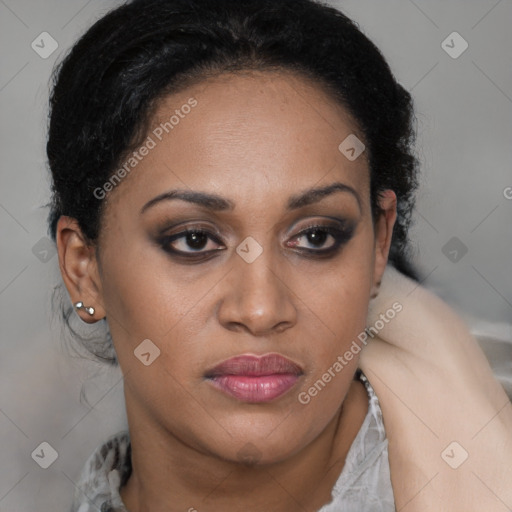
(435,388)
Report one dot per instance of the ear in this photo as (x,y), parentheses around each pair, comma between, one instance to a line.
(383,235)
(79,268)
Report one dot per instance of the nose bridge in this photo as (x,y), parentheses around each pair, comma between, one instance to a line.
(256,297)
(260,284)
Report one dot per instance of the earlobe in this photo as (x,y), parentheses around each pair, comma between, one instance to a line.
(78,267)
(375,290)
(383,236)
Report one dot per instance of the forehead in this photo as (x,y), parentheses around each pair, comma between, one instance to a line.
(245,134)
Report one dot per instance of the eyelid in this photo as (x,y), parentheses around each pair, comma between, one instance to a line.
(192,229)
(341,230)
(334,222)
(340,234)
(165,230)
(325,222)
(339,224)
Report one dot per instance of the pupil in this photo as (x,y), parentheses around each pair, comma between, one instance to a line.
(196,240)
(317,237)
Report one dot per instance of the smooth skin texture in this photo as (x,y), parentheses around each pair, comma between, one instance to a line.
(258,140)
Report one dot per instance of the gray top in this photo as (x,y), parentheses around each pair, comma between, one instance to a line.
(364,482)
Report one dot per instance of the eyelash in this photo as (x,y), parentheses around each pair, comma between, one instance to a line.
(340,235)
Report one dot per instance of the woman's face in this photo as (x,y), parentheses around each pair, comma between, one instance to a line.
(258,158)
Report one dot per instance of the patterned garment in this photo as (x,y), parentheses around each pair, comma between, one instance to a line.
(364,483)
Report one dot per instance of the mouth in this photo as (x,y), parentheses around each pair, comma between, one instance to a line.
(255,379)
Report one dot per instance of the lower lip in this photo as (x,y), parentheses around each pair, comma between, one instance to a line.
(263,388)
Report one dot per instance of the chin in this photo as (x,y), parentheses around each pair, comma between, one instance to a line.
(254,447)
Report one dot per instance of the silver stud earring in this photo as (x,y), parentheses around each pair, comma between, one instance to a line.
(80,305)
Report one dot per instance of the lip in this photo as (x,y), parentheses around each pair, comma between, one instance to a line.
(254,379)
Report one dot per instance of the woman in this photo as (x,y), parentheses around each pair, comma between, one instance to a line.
(229,181)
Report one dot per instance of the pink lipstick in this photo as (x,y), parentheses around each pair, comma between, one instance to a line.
(254,379)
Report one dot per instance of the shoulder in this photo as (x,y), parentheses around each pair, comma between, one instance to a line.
(96,480)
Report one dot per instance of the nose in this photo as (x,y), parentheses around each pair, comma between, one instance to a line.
(256,298)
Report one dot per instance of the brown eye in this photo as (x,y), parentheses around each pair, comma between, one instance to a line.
(317,238)
(196,240)
(321,239)
(190,241)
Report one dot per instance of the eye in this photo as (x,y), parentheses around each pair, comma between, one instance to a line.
(191,241)
(321,239)
(315,240)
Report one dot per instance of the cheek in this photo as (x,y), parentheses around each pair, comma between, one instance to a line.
(146,298)
(338,301)
(339,295)
(147,301)
(339,309)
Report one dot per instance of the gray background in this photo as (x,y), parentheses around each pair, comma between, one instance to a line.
(464,109)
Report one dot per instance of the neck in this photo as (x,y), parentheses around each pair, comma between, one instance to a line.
(168,475)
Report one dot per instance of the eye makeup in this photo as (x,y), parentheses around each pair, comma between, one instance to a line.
(197,242)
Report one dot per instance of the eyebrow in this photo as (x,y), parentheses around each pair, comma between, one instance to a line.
(218,203)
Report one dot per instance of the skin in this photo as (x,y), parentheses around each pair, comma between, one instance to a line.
(256,139)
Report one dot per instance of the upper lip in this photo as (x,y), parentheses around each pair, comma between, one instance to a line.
(255,366)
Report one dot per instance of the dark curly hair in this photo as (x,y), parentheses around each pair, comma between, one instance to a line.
(109,85)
